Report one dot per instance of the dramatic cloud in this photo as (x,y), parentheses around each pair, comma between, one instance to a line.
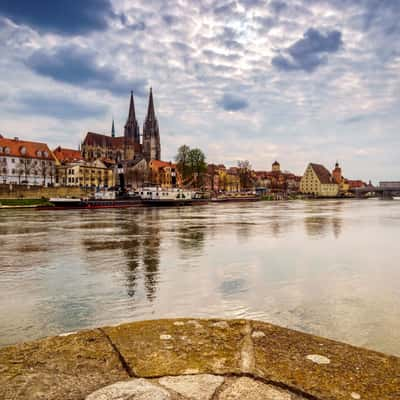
(67,17)
(77,66)
(309,52)
(230,102)
(72,70)
(59,107)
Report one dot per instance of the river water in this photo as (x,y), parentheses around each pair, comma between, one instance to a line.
(331,268)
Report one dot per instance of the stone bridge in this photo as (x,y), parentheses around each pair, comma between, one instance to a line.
(385,190)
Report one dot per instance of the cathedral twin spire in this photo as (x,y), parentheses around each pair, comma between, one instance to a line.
(151,135)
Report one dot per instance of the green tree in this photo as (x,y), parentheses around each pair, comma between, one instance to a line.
(182,161)
(191,164)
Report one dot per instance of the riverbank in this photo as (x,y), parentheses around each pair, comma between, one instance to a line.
(23,203)
(203,356)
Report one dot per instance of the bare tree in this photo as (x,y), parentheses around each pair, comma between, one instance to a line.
(3,169)
(24,168)
(245,174)
(44,170)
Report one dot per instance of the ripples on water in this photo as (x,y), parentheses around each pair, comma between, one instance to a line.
(325,267)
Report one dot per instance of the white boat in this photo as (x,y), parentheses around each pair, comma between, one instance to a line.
(158,196)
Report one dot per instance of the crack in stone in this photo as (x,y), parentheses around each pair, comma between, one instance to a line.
(121,358)
(247,361)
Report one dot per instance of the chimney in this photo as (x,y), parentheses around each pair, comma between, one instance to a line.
(16,139)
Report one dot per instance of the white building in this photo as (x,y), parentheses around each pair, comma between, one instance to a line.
(23,162)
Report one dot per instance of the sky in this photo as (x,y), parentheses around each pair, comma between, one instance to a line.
(295,81)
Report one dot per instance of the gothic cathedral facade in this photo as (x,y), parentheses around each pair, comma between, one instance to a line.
(129,146)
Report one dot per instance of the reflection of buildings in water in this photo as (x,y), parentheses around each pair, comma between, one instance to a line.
(151,260)
(140,244)
(244,229)
(131,250)
(337,226)
(317,226)
(141,250)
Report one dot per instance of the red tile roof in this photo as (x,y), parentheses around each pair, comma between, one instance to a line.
(24,148)
(160,164)
(67,155)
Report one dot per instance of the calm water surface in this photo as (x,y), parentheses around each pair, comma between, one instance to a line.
(331,268)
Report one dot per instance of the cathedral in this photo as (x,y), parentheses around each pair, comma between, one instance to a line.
(129,146)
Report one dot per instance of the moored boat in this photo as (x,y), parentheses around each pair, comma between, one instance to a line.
(107,200)
(157,196)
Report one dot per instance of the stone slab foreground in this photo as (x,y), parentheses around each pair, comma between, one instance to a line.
(169,354)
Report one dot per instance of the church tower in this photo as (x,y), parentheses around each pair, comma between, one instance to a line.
(131,127)
(337,174)
(151,134)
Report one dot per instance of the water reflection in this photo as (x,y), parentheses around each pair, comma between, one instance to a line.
(140,246)
(326,267)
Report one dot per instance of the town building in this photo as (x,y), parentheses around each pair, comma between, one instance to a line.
(87,174)
(129,146)
(222,179)
(136,172)
(164,174)
(26,162)
(319,182)
(277,180)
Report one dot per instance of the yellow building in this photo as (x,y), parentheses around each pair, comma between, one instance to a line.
(318,181)
(86,174)
(164,174)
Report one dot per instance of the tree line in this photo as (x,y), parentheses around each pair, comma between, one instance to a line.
(192,166)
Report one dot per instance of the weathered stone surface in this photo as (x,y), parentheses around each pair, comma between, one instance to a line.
(281,356)
(246,389)
(197,346)
(195,387)
(71,367)
(134,389)
(62,367)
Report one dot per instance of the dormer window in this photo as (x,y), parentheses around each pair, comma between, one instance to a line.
(23,150)
(7,150)
(1,149)
(39,153)
(45,154)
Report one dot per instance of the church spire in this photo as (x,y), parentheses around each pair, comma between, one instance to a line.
(131,127)
(131,115)
(112,129)
(151,115)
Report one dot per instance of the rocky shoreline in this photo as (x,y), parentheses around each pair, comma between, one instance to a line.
(195,359)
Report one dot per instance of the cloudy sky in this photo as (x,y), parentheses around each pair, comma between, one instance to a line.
(294,80)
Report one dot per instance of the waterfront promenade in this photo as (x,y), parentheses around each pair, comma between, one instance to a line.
(195,359)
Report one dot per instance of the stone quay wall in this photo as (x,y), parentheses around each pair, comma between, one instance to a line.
(38,192)
(183,359)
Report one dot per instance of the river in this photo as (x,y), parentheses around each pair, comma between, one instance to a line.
(330,268)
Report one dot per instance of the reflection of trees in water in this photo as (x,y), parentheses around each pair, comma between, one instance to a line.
(191,237)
